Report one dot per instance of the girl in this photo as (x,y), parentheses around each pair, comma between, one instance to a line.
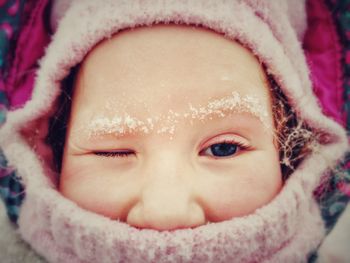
(173,132)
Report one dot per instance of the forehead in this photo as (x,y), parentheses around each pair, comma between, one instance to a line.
(154,69)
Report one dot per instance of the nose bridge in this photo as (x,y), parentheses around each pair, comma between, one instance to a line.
(166,166)
(166,200)
(166,193)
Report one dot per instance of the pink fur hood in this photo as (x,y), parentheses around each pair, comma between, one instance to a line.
(289,229)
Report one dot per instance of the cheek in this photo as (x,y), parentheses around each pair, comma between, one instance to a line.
(97,189)
(242,189)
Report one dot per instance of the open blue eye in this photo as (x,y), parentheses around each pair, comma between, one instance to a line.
(223,149)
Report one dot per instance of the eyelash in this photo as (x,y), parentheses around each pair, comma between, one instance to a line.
(240,144)
(125,154)
(122,154)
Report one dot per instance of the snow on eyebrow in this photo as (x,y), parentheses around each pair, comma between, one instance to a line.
(121,125)
(234,103)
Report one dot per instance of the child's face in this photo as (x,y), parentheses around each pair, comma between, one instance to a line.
(171,127)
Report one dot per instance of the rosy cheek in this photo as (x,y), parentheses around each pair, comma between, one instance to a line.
(94,190)
(223,201)
(82,190)
(233,196)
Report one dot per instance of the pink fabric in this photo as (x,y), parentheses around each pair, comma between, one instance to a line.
(323,49)
(321,44)
(32,40)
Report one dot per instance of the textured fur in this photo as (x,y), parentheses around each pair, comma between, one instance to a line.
(13,249)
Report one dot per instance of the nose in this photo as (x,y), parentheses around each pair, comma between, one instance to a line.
(167,200)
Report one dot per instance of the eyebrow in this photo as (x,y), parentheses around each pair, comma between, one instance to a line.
(117,126)
(248,103)
(126,126)
(111,132)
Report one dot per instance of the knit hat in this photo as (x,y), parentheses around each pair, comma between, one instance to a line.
(288,229)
